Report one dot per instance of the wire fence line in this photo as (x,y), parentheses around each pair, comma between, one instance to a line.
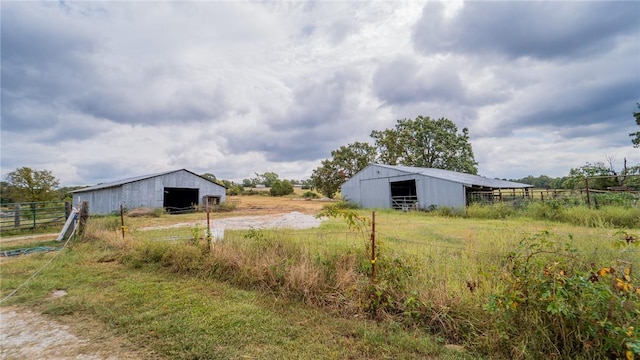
(433,258)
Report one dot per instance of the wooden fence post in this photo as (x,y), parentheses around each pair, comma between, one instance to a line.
(586,184)
(83,215)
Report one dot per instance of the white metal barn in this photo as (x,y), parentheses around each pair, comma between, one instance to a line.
(172,190)
(386,186)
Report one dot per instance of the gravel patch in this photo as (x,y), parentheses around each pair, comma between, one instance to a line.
(28,335)
(291,220)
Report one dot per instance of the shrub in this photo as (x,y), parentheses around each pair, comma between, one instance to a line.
(253,192)
(226,206)
(158,212)
(235,190)
(548,210)
(310,195)
(624,199)
(551,304)
(281,188)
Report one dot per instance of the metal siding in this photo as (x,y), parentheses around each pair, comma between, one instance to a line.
(457,177)
(141,194)
(148,192)
(376,193)
(102,201)
(370,188)
(438,192)
(350,193)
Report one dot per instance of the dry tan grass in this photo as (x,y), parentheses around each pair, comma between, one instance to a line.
(259,205)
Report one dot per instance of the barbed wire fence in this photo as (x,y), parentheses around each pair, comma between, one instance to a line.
(455,262)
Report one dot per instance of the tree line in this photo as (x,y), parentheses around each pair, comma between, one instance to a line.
(602,176)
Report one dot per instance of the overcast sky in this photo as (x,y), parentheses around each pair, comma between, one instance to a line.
(103,91)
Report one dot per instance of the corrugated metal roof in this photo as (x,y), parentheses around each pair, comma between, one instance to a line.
(133,179)
(466,179)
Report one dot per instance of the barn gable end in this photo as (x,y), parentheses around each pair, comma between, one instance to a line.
(180,187)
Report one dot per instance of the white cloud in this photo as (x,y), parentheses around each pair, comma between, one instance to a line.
(102,91)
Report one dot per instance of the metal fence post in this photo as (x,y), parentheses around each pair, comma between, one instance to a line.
(16,216)
(33,213)
(373,246)
(122,227)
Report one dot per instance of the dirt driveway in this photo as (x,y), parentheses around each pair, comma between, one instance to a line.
(30,335)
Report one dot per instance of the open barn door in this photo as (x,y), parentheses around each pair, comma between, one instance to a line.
(404,195)
(179,199)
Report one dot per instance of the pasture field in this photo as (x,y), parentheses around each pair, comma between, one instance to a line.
(444,287)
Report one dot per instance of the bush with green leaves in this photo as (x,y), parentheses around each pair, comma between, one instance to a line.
(235,189)
(281,188)
(310,195)
(626,199)
(552,304)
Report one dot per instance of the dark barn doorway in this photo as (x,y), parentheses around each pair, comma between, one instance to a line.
(179,199)
(403,194)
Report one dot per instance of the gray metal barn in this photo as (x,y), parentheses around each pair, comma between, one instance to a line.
(171,190)
(386,186)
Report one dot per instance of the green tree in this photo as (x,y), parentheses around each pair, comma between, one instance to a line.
(6,192)
(327,178)
(602,175)
(345,162)
(636,135)
(32,185)
(540,182)
(307,184)
(248,183)
(64,193)
(267,178)
(233,188)
(281,188)
(425,142)
(209,176)
(352,158)
(559,183)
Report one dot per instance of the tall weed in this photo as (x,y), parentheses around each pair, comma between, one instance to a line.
(553,304)
(557,210)
(490,211)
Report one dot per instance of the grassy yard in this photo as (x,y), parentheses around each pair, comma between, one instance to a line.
(306,294)
(173,316)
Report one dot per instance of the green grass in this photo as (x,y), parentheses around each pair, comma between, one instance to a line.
(48,243)
(306,294)
(185,317)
